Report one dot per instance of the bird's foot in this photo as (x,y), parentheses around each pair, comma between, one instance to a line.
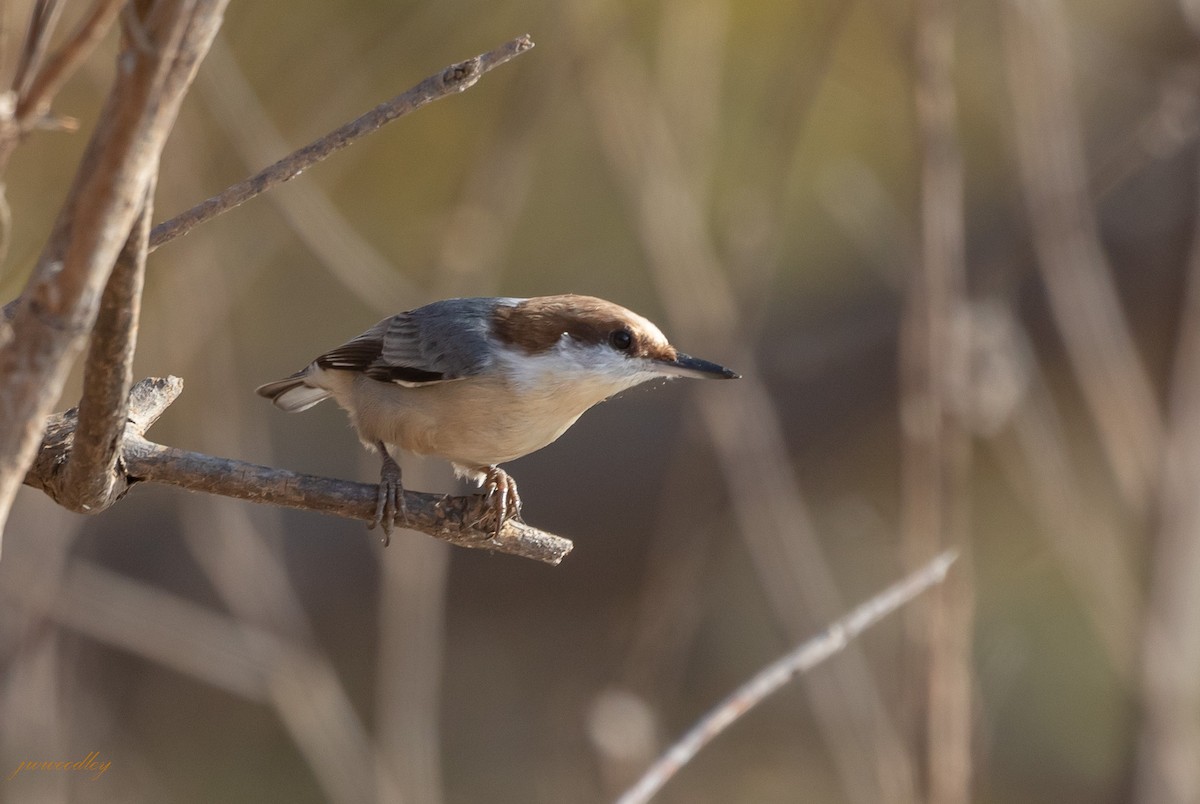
(501,495)
(389,505)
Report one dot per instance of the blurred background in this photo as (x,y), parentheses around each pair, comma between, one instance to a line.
(951,248)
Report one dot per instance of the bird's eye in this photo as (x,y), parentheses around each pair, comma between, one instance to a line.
(621,340)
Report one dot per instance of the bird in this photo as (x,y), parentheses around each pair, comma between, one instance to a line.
(481,382)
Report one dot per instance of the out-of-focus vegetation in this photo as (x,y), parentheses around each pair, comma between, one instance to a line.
(748,176)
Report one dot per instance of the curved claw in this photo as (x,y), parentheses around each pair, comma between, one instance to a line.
(503,497)
(389,504)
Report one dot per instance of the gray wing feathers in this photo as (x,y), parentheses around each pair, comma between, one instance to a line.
(445,340)
(449,338)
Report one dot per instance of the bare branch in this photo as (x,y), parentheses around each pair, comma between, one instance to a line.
(35,85)
(89,478)
(148,400)
(771,678)
(312,216)
(91,457)
(60,300)
(35,99)
(42,19)
(455,78)
(451,519)
(934,367)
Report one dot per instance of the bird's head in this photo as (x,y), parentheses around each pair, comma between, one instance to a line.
(589,340)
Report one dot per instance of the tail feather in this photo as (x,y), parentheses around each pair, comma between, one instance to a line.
(292,393)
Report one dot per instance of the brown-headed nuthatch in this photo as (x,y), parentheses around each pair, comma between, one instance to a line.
(483,381)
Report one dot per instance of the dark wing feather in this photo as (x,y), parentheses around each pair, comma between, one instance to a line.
(405,375)
(446,340)
(358,353)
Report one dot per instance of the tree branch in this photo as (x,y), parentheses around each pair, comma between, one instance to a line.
(59,303)
(771,678)
(92,456)
(37,84)
(89,476)
(455,78)
(35,100)
(451,519)
(43,18)
(935,374)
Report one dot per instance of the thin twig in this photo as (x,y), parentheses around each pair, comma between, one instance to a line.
(771,678)
(89,477)
(455,520)
(453,79)
(42,19)
(6,231)
(314,219)
(35,99)
(35,89)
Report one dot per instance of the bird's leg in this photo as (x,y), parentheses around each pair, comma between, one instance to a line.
(503,496)
(390,502)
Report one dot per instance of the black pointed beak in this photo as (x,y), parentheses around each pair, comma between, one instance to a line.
(688,366)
